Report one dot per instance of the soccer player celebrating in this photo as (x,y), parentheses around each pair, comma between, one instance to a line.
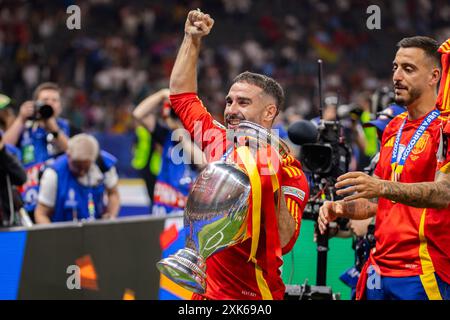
(410,192)
(237,272)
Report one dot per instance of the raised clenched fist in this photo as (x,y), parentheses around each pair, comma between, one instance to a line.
(198,24)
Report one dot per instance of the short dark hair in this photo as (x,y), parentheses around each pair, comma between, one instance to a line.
(45,86)
(427,44)
(267,84)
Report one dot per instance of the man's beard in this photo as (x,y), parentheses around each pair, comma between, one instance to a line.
(414,94)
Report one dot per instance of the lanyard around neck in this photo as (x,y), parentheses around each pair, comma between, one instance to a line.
(397,167)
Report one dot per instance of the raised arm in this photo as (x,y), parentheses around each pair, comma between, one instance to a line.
(183,88)
(184,73)
(144,113)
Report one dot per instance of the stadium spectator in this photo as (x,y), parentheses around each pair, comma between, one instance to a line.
(175,179)
(146,159)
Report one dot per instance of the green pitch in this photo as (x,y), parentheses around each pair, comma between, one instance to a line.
(304,256)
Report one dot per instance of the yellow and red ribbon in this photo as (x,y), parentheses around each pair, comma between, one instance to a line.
(264,181)
(443,100)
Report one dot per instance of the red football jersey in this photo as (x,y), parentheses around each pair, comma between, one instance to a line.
(229,273)
(411,241)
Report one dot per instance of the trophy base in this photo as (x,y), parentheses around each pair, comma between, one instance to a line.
(186,268)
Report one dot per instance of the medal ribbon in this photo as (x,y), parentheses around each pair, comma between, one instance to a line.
(397,168)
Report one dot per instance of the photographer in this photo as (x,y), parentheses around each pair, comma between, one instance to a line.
(11,173)
(40,134)
(77,184)
(37,126)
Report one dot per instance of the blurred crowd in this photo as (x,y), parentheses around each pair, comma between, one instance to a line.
(125,50)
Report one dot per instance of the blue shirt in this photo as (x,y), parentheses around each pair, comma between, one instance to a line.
(74,199)
(35,151)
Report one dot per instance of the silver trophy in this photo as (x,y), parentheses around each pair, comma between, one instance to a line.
(216,211)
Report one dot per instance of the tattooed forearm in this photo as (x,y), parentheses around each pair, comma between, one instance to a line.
(421,195)
(359,209)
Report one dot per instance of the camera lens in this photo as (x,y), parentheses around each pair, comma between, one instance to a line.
(43,110)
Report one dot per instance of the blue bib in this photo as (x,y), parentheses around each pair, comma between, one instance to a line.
(76,200)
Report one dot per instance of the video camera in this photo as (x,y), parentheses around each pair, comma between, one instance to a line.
(325,155)
(324,159)
(329,156)
(381,98)
(42,111)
